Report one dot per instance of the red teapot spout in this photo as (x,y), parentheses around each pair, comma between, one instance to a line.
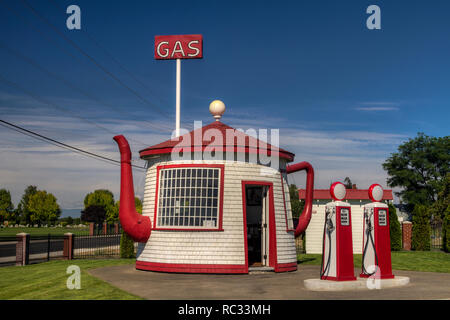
(135,225)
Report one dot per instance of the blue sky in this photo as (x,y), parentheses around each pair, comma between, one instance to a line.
(344,97)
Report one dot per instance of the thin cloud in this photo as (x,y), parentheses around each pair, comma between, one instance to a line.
(377,109)
(379,106)
(70,176)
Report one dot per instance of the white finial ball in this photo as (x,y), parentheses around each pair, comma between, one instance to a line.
(217,109)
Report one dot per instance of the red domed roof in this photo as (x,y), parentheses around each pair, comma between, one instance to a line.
(207,139)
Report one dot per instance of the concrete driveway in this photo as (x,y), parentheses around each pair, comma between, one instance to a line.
(261,286)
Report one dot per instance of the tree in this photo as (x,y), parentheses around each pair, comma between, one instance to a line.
(43,207)
(446,231)
(93,213)
(126,242)
(105,199)
(394,229)
(440,206)
(421,230)
(440,212)
(296,204)
(22,208)
(6,206)
(138,204)
(419,167)
(348,183)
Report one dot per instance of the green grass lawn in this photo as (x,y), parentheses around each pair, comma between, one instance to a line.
(8,232)
(48,281)
(431,261)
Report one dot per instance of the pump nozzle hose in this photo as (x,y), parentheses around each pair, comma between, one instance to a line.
(328,229)
(369,237)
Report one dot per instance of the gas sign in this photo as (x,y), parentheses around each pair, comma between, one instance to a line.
(188,46)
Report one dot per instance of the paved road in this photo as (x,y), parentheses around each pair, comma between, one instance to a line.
(262,286)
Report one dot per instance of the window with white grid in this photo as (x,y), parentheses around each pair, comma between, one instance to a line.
(189,197)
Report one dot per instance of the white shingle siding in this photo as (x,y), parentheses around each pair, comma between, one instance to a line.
(217,247)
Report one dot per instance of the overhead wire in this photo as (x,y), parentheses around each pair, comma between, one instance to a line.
(63,145)
(44,101)
(115,60)
(93,60)
(63,80)
(21,17)
(106,52)
(35,64)
(102,68)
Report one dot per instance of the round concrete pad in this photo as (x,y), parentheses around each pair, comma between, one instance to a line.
(264,286)
(358,284)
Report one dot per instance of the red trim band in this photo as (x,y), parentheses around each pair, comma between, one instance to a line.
(285,267)
(187,229)
(191,268)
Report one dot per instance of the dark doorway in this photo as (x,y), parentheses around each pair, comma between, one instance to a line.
(254,212)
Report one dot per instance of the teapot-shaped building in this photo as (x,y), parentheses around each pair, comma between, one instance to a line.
(211,204)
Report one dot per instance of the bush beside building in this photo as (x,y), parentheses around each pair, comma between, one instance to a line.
(421,230)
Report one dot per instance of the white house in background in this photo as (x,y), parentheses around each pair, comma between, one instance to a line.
(357,199)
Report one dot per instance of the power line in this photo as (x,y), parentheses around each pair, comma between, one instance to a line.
(97,43)
(66,82)
(53,42)
(21,16)
(35,12)
(42,100)
(38,136)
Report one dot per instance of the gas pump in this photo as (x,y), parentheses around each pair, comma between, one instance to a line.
(337,253)
(376,237)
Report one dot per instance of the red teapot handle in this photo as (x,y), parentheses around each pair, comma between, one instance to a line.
(305,216)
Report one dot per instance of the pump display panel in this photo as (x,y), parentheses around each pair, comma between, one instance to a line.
(382,219)
(345,219)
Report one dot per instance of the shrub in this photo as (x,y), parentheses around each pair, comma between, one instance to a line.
(296,204)
(446,231)
(304,242)
(126,246)
(126,242)
(421,230)
(394,229)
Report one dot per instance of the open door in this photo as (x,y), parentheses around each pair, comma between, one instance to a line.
(257,216)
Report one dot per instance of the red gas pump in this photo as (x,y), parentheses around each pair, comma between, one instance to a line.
(376,237)
(337,253)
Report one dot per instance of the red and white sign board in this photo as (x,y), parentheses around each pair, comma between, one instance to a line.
(187,46)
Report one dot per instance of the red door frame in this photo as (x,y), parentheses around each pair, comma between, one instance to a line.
(272,227)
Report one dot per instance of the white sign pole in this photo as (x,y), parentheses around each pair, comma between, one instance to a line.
(178,90)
